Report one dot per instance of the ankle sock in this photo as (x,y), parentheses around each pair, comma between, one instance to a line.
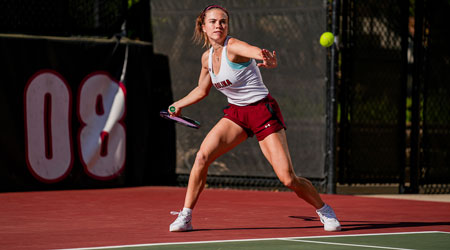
(320,209)
(187,210)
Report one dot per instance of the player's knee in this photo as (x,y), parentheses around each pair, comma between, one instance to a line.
(201,159)
(289,181)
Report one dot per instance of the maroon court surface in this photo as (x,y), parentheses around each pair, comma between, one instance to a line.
(123,216)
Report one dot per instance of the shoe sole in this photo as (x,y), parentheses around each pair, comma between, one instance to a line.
(333,229)
(181,229)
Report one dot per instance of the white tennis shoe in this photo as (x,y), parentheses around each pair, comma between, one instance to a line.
(182,223)
(329,219)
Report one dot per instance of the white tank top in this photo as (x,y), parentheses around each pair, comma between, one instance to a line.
(240,82)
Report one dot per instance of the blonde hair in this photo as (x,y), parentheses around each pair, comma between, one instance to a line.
(199,36)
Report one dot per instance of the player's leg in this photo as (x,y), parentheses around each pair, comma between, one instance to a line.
(275,149)
(224,136)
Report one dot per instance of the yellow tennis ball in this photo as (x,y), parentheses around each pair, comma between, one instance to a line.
(327,39)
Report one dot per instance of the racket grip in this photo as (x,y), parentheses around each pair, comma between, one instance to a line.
(172,109)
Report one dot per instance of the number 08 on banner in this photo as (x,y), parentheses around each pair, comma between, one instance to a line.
(101,140)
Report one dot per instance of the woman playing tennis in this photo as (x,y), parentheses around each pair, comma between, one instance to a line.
(229,65)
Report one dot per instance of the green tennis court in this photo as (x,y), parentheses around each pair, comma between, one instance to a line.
(415,241)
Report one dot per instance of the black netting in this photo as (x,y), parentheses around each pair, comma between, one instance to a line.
(292,28)
(62,18)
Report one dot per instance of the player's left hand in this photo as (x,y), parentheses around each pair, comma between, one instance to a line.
(269,59)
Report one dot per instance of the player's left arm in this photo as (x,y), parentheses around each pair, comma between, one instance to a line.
(240,51)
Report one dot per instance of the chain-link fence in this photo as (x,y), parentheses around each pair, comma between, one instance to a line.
(394,106)
(433,78)
(372,92)
(392,80)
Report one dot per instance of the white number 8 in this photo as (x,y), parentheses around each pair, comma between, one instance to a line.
(101,108)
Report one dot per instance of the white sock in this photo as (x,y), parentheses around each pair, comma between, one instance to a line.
(187,210)
(320,209)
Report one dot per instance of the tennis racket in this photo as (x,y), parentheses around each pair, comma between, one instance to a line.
(183,120)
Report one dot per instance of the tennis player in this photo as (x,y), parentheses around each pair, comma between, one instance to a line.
(229,65)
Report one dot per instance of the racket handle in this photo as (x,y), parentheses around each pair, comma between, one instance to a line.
(172,109)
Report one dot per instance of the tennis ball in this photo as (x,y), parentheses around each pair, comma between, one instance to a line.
(327,39)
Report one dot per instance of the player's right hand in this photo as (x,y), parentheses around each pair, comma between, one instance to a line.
(173,110)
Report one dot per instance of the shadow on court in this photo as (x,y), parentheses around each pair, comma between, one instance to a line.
(254,228)
(390,225)
(366,225)
(346,225)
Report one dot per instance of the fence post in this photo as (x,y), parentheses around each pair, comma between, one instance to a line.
(331,103)
(415,109)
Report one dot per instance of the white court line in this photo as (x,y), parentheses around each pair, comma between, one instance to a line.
(245,240)
(348,245)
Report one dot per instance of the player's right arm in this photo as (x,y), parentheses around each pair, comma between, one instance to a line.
(199,92)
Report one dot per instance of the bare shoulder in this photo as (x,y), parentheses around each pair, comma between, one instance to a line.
(234,41)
